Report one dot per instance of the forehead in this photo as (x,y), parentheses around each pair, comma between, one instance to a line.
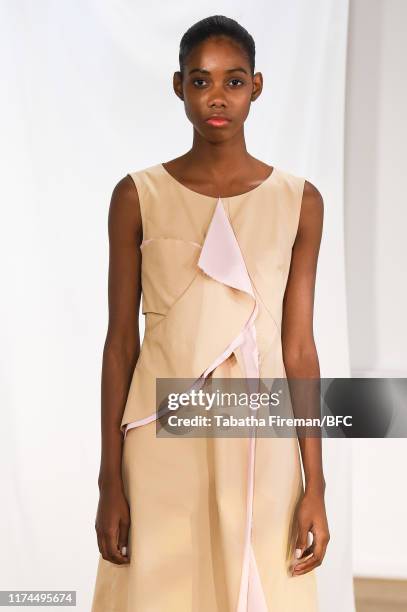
(217,53)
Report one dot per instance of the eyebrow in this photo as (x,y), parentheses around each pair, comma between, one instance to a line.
(203,71)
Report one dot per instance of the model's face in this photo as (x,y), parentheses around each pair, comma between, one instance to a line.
(217,81)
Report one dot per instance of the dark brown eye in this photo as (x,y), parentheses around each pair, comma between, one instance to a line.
(196,80)
(239,80)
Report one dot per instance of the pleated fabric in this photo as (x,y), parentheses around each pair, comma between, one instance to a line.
(212,518)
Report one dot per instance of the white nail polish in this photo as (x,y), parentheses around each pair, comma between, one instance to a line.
(124,551)
(298,553)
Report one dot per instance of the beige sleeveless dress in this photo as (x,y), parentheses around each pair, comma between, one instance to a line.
(212,519)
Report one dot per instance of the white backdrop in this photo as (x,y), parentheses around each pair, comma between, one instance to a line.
(88,99)
(376,219)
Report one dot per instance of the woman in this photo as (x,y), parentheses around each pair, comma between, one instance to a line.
(223,250)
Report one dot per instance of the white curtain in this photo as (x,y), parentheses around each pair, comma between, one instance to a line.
(87,98)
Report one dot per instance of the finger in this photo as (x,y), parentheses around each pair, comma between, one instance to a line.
(302,541)
(123,539)
(101,541)
(318,548)
(113,553)
(307,552)
(101,545)
(306,566)
(319,545)
(305,556)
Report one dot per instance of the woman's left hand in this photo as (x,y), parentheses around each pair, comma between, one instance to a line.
(311,516)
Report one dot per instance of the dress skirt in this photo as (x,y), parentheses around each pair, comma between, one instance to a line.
(186,537)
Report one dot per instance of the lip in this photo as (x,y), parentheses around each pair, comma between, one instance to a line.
(217,120)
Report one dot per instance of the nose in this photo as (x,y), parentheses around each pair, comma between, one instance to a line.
(217,97)
(216,102)
(217,105)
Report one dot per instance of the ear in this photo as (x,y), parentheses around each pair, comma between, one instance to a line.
(177,84)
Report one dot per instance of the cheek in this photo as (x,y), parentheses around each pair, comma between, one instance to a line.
(188,113)
(194,109)
(243,107)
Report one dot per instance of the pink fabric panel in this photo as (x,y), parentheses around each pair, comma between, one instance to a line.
(221,257)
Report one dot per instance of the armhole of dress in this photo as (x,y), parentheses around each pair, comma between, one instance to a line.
(137,180)
(301,186)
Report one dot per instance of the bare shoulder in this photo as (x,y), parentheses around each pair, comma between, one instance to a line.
(124,210)
(125,192)
(312,207)
(312,198)
(311,216)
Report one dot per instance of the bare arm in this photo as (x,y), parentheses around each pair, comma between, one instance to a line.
(120,354)
(301,361)
(299,350)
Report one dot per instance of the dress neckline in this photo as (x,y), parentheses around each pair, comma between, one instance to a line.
(268,179)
